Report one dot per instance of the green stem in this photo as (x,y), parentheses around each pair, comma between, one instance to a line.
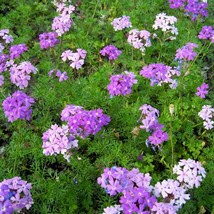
(172,146)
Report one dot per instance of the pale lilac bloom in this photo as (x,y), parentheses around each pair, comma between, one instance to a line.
(67,55)
(1,80)
(121,23)
(62,76)
(206,114)
(202,90)
(116,209)
(76,61)
(163,208)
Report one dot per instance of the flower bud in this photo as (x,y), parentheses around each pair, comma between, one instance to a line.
(171,109)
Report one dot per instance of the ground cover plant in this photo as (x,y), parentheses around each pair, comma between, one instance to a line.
(106,107)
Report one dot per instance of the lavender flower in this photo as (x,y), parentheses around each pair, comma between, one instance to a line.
(186,52)
(202,90)
(121,23)
(159,74)
(116,209)
(17,50)
(84,123)
(4,34)
(3,62)
(20,74)
(58,140)
(206,114)
(111,51)
(207,32)
(69,111)
(162,208)
(121,84)
(190,173)
(139,39)
(48,40)
(1,80)
(15,195)
(61,75)
(17,106)
(76,59)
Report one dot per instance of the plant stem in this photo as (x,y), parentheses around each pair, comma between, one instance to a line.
(172,146)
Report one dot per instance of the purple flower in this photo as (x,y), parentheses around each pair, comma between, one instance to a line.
(17,50)
(58,140)
(15,195)
(17,106)
(207,32)
(20,74)
(121,84)
(202,90)
(4,34)
(61,75)
(116,209)
(111,51)
(48,40)
(121,23)
(1,80)
(186,52)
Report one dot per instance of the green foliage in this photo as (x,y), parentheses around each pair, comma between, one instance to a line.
(61,187)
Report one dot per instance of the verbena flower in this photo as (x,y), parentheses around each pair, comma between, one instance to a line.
(116,209)
(69,111)
(17,106)
(4,34)
(63,22)
(159,74)
(162,208)
(207,32)
(20,74)
(139,39)
(15,195)
(48,40)
(207,114)
(121,23)
(186,53)
(76,59)
(172,192)
(3,62)
(58,140)
(17,50)
(202,90)
(166,24)
(190,173)
(121,84)
(1,80)
(192,8)
(149,120)
(111,52)
(61,75)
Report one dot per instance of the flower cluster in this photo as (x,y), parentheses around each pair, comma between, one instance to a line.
(186,53)
(63,22)
(138,195)
(192,8)
(150,123)
(121,23)
(48,40)
(83,123)
(121,84)
(134,186)
(15,195)
(58,140)
(160,73)
(202,90)
(139,39)
(166,24)
(3,62)
(6,37)
(207,32)
(20,74)
(61,75)
(207,114)
(17,50)
(76,58)
(172,191)
(17,106)
(111,51)
(190,173)
(116,209)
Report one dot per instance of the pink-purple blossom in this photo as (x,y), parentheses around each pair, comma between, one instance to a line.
(121,23)
(58,140)
(4,34)
(48,40)
(17,50)
(121,84)
(111,52)
(62,76)
(186,53)
(20,74)
(139,39)
(202,90)
(207,114)
(207,32)
(15,195)
(17,106)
